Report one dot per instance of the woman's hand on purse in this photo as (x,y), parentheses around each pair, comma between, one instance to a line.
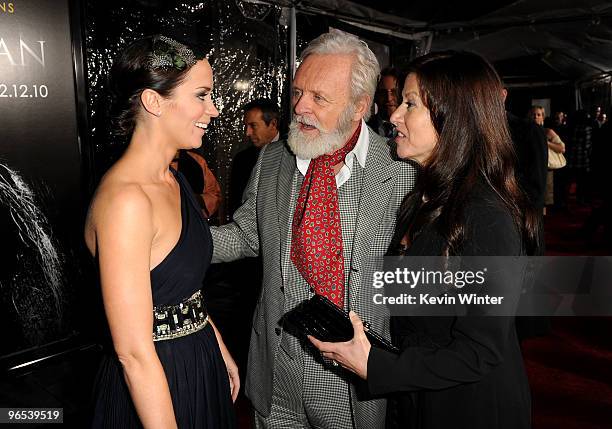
(353,354)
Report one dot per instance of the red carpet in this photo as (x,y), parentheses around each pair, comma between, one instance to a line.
(570,376)
(570,370)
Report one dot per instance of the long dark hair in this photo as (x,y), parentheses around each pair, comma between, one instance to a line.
(464,96)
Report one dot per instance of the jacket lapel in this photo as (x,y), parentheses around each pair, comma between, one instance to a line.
(283,201)
(380,177)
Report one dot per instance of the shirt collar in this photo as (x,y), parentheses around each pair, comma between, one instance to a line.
(360,151)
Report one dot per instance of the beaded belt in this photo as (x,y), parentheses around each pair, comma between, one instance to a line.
(174,321)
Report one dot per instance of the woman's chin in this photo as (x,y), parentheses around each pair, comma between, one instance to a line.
(410,157)
(196,144)
(404,153)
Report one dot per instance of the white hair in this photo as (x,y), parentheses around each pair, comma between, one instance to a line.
(365,70)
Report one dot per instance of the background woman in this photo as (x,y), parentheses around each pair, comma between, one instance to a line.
(202,181)
(453,372)
(153,247)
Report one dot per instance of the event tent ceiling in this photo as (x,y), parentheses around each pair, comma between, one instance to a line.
(548,41)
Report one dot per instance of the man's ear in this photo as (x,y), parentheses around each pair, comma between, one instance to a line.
(274,122)
(151,101)
(361,107)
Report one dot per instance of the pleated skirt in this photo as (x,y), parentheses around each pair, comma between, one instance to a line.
(197,378)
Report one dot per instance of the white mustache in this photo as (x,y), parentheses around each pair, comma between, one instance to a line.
(307,121)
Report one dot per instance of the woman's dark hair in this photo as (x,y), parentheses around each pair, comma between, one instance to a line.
(134,71)
(464,96)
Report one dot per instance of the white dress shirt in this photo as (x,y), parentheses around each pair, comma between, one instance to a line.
(360,151)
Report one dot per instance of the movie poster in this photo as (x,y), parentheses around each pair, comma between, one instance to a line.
(41,196)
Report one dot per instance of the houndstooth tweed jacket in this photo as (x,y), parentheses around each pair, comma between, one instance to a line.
(262,226)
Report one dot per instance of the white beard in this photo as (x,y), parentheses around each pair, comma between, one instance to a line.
(327,142)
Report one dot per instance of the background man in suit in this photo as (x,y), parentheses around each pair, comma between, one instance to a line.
(387,99)
(532,162)
(532,165)
(261,127)
(321,210)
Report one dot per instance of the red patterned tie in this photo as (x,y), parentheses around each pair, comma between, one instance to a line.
(316,243)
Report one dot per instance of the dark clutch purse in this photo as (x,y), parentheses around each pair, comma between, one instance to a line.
(320,318)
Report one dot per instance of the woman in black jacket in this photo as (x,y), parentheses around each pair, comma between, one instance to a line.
(453,371)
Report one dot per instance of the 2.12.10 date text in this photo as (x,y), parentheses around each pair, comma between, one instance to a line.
(23,91)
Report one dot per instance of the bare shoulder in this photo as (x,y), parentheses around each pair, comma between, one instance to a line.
(117,205)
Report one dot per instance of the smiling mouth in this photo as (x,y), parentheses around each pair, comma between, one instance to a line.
(201,125)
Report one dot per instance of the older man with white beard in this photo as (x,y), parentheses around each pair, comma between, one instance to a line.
(320,209)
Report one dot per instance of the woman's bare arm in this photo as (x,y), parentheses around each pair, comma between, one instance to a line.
(124,233)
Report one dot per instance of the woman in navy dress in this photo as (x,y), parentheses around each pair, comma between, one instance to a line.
(169,367)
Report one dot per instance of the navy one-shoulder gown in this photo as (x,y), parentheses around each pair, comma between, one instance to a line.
(193,364)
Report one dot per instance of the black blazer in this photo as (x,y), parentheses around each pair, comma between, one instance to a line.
(532,158)
(242,166)
(459,372)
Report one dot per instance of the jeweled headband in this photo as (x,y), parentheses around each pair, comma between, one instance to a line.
(168,53)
